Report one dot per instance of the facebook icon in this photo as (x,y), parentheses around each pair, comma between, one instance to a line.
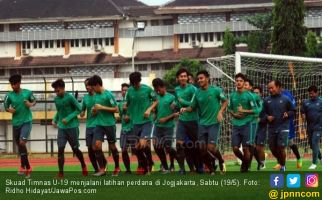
(277,180)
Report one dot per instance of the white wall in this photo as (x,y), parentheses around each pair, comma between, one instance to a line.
(148,44)
(125,45)
(167,42)
(7,49)
(44,52)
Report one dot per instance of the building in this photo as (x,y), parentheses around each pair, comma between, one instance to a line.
(46,39)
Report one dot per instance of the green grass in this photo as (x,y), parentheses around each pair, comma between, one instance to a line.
(257,184)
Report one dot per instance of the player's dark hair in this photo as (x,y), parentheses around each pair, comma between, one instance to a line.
(59,83)
(95,80)
(240,75)
(16,78)
(135,77)
(277,83)
(258,88)
(204,72)
(125,85)
(182,70)
(86,82)
(157,82)
(251,83)
(312,88)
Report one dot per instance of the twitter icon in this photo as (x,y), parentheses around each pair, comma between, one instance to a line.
(293,180)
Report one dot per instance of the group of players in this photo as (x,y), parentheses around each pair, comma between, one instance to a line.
(198,112)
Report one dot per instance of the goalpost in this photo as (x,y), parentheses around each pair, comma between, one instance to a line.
(295,73)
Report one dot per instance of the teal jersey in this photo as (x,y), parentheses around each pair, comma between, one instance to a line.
(16,100)
(67,108)
(258,106)
(164,110)
(245,99)
(102,117)
(87,105)
(126,126)
(138,101)
(184,98)
(208,103)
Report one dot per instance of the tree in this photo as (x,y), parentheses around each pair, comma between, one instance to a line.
(288,37)
(259,40)
(229,42)
(255,42)
(192,65)
(311,44)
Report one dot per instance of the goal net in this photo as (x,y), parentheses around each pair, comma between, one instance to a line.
(295,73)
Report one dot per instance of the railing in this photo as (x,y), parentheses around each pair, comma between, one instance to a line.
(57,34)
(149,31)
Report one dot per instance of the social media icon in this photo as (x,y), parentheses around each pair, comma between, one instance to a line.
(277,180)
(312,180)
(293,180)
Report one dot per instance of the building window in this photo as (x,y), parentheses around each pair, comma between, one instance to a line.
(26,45)
(62,70)
(198,37)
(49,70)
(2,72)
(208,37)
(168,66)
(227,17)
(76,43)
(168,22)
(88,42)
(60,43)
(83,42)
(13,71)
(181,38)
(51,44)
(184,38)
(155,23)
(25,71)
(95,41)
(37,71)
(40,44)
(211,37)
(219,36)
(193,37)
(142,67)
(155,67)
(1,27)
(35,43)
(109,41)
(46,44)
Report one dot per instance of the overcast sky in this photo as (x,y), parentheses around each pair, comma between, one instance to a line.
(154,2)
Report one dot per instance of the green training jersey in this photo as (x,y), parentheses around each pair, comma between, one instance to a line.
(67,108)
(138,101)
(164,110)
(126,126)
(87,104)
(102,117)
(245,99)
(208,103)
(184,98)
(16,100)
(258,106)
